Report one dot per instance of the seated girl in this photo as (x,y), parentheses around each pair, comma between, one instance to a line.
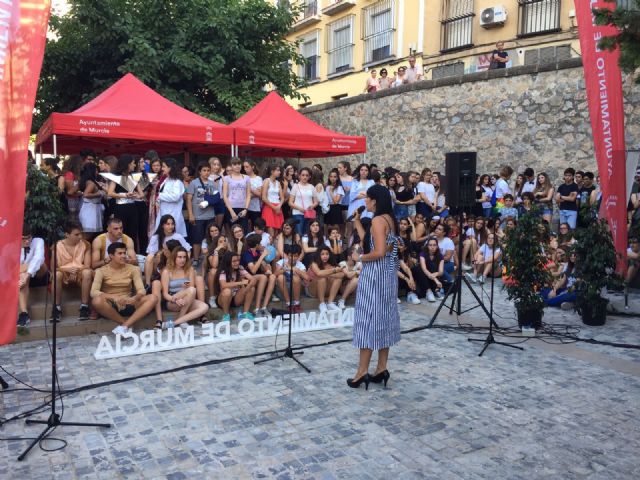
(486,262)
(286,276)
(237,287)
(325,276)
(166,231)
(419,229)
(336,244)
(406,281)
(253,260)
(213,261)
(562,294)
(178,289)
(312,241)
(351,269)
(212,232)
(288,236)
(156,275)
(237,239)
(431,271)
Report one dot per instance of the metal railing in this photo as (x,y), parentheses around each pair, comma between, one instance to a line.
(310,9)
(378,23)
(538,16)
(309,71)
(340,44)
(457,33)
(340,59)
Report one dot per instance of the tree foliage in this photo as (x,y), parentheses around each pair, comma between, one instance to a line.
(43,210)
(212,57)
(627,20)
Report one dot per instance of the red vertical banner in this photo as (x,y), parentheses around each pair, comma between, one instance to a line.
(603,82)
(23,29)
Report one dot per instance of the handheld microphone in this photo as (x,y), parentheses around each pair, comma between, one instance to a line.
(360,209)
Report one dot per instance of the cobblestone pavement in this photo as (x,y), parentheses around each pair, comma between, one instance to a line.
(556,411)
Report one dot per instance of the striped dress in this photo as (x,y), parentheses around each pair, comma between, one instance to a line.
(376,321)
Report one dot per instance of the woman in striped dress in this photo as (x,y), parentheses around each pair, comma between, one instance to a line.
(376,323)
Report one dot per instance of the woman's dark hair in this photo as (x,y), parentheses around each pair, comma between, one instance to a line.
(319,240)
(122,167)
(89,172)
(207,234)
(174,169)
(202,165)
(316,177)
(160,230)
(318,261)
(252,241)
(438,255)
(338,181)
(407,234)
(225,267)
(346,165)
(190,170)
(366,225)
(254,166)
(171,246)
(529,196)
(272,168)
(73,165)
(52,163)
(305,169)
(291,223)
(356,172)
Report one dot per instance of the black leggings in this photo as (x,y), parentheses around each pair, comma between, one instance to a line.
(128,213)
(423,283)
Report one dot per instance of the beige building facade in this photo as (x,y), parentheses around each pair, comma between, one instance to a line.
(343,40)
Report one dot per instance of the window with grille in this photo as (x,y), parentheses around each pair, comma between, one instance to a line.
(309,8)
(377,31)
(340,44)
(538,16)
(309,49)
(457,23)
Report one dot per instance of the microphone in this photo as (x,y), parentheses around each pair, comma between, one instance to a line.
(360,209)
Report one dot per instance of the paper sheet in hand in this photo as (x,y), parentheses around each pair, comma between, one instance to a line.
(130,182)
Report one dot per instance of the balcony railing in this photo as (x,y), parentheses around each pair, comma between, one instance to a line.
(457,32)
(340,59)
(538,16)
(336,6)
(378,47)
(309,15)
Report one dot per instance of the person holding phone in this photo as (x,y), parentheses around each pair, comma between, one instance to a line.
(178,281)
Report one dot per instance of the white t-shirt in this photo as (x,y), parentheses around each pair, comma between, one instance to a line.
(487,251)
(255,205)
(330,194)
(488,192)
(305,241)
(303,197)
(154,247)
(428,190)
(502,188)
(285,265)
(528,186)
(265,241)
(445,245)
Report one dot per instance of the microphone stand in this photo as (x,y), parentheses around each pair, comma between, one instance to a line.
(288,351)
(490,339)
(55,419)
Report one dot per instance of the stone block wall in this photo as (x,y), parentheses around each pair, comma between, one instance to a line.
(533,115)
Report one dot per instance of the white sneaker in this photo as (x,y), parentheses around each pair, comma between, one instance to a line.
(274,298)
(471,277)
(120,330)
(341,304)
(430,296)
(332,306)
(399,301)
(212,302)
(467,266)
(323,307)
(413,299)
(481,279)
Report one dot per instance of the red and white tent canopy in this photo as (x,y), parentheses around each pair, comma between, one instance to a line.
(130,117)
(274,129)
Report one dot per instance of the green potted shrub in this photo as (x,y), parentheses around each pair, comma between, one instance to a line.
(43,210)
(524,261)
(594,271)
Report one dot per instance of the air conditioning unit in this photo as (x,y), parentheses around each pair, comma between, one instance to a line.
(493,16)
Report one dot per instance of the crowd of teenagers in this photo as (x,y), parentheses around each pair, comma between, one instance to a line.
(179,239)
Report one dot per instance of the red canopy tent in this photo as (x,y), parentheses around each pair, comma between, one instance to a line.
(274,129)
(130,117)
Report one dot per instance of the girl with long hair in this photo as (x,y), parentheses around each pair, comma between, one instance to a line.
(344,171)
(236,193)
(543,195)
(335,193)
(152,195)
(255,184)
(69,185)
(171,196)
(166,231)
(303,201)
(125,195)
(236,286)
(211,232)
(218,246)
(359,186)
(376,323)
(312,241)
(487,189)
(431,270)
(427,194)
(404,195)
(91,209)
(215,179)
(273,194)
(253,260)
(326,278)
(178,289)
(475,236)
(517,189)
(288,236)
(487,257)
(237,240)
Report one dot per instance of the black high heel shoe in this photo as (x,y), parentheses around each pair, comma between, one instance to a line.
(366,378)
(382,377)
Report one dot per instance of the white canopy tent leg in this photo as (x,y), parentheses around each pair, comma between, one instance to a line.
(55,146)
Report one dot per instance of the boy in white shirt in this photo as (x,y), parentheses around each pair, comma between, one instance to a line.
(284,276)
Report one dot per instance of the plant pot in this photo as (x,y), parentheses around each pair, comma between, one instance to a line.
(594,312)
(530,318)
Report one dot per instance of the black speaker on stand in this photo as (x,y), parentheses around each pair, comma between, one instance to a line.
(460,188)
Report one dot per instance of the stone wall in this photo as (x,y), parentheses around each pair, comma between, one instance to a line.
(525,116)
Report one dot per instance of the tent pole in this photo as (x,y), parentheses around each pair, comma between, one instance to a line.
(55,145)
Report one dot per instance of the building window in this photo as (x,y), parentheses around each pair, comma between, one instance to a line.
(457,23)
(377,31)
(538,16)
(309,8)
(340,44)
(309,49)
